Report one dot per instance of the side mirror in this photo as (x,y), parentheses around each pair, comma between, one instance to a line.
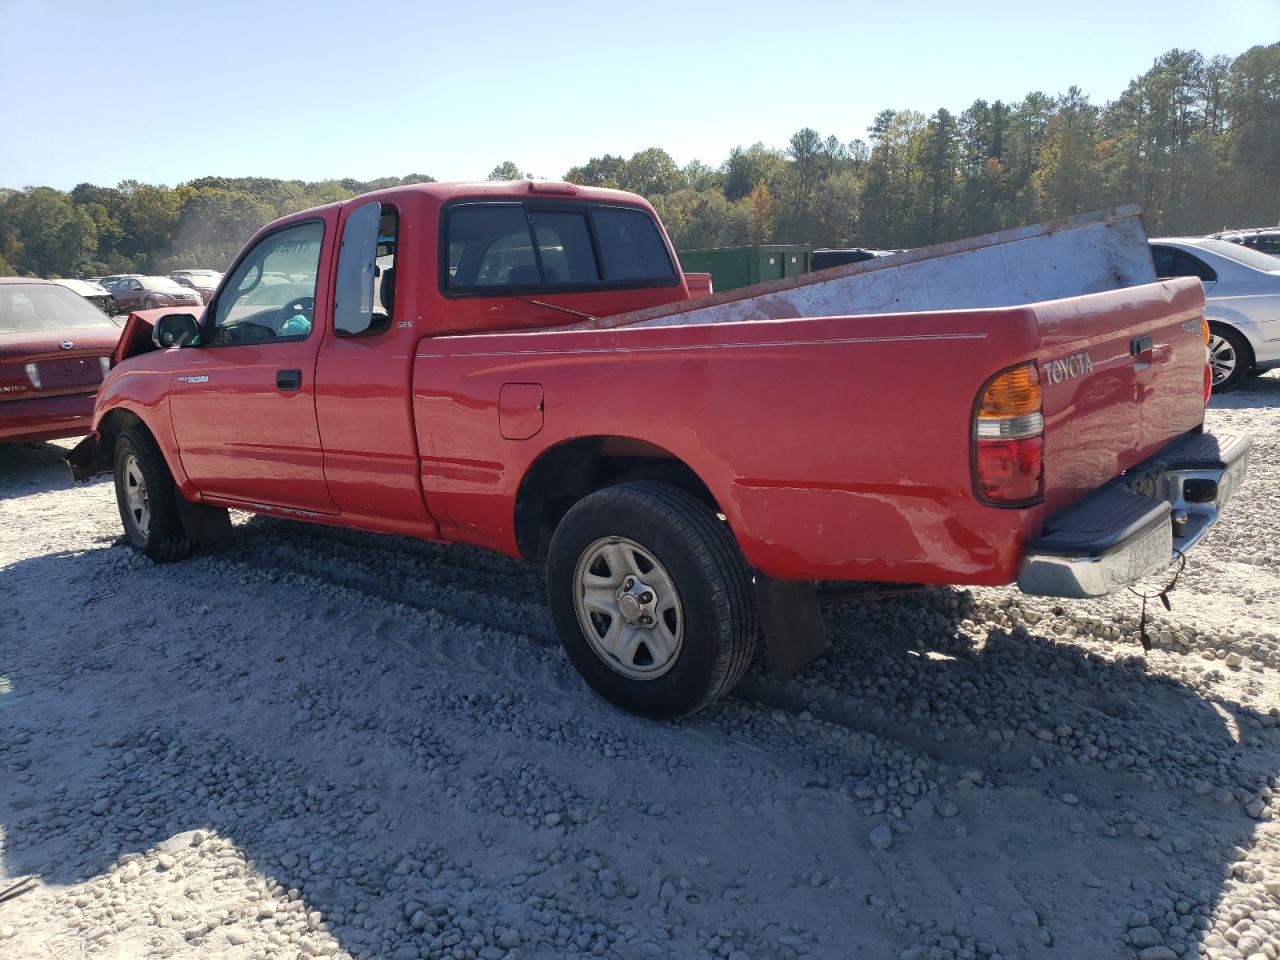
(176,330)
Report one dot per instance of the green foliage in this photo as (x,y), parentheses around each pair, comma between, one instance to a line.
(505,171)
(1194,141)
(140,227)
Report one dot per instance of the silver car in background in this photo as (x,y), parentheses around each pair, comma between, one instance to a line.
(95,293)
(1242,302)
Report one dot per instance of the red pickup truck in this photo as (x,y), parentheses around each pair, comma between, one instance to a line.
(447,361)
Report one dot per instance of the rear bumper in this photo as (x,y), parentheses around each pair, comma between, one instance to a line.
(1138,523)
(46,418)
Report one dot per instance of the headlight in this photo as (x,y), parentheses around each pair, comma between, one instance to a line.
(33,374)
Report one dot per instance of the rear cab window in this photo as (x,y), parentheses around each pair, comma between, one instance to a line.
(497,248)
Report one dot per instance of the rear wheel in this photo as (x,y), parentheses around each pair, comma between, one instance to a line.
(1230,358)
(651,599)
(147,498)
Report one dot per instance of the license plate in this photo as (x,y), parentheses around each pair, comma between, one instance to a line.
(72,372)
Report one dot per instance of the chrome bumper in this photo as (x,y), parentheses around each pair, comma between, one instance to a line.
(1138,523)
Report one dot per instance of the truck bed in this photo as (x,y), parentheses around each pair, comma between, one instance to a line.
(814,434)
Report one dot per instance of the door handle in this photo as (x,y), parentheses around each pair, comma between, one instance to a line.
(289,379)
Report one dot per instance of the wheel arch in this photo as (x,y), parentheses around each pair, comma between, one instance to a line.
(115,422)
(1249,360)
(568,471)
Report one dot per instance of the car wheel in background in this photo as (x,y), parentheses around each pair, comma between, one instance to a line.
(147,498)
(1230,358)
(651,598)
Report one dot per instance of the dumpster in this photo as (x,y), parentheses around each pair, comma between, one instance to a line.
(732,267)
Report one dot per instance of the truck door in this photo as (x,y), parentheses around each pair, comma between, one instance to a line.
(243,404)
(362,378)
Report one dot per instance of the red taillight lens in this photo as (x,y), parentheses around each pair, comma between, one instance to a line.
(1008,438)
(1011,471)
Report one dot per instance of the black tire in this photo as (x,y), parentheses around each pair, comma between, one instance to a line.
(1243,356)
(162,537)
(112,309)
(697,549)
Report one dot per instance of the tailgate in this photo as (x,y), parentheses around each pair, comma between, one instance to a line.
(1122,375)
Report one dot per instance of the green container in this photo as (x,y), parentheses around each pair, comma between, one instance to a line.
(732,267)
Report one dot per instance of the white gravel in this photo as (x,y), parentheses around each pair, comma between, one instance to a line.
(316,743)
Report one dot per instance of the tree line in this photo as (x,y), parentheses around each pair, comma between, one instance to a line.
(1194,141)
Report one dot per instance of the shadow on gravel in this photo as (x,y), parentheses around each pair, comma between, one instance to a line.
(1161,778)
(1257,392)
(27,468)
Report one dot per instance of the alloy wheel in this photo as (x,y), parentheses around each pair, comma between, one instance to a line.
(1222,358)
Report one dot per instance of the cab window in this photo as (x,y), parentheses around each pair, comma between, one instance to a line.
(271,295)
(553,247)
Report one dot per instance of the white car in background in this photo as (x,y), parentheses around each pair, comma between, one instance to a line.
(1242,302)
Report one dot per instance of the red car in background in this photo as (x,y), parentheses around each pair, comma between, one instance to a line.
(55,348)
(143,293)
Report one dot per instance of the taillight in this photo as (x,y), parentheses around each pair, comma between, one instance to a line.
(1008,438)
(33,374)
(1208,368)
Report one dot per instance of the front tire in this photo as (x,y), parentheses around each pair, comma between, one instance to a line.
(1230,359)
(147,498)
(651,599)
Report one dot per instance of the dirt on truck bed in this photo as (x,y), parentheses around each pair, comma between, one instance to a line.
(317,743)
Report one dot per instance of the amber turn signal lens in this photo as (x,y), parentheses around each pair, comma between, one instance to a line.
(1204,330)
(1015,393)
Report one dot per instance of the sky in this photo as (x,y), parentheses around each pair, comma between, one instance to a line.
(167,92)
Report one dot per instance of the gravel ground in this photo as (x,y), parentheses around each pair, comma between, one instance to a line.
(319,743)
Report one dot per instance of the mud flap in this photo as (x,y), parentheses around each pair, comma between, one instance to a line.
(794,634)
(204,525)
(86,459)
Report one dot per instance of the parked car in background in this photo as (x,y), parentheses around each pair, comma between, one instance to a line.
(95,293)
(204,282)
(829,257)
(109,282)
(143,293)
(1266,239)
(55,348)
(1242,302)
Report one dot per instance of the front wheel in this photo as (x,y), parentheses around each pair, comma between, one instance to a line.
(147,498)
(1230,358)
(651,599)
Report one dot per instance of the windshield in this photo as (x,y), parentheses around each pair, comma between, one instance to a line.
(37,308)
(1246,255)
